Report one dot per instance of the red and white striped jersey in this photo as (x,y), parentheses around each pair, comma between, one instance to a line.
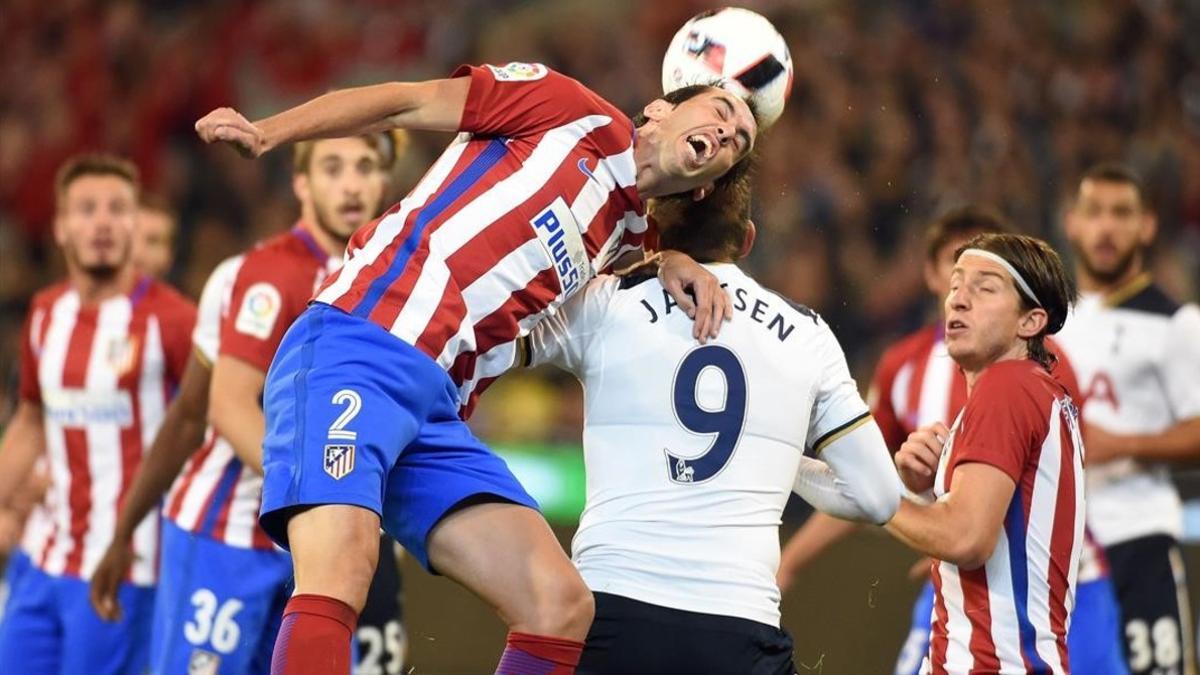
(103,374)
(520,211)
(247,305)
(1012,614)
(917,384)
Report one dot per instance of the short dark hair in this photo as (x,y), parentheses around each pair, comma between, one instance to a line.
(390,145)
(674,98)
(1043,270)
(711,230)
(94,164)
(1116,172)
(963,221)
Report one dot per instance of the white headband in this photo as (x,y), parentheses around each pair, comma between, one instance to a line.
(1011,270)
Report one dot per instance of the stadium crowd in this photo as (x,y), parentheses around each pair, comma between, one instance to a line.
(898,111)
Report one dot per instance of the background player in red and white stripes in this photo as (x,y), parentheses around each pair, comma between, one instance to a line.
(917,384)
(212,544)
(543,190)
(1006,526)
(102,354)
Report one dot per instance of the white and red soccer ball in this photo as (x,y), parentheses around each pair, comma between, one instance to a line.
(734,48)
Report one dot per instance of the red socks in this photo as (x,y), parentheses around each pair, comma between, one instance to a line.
(526,654)
(314,638)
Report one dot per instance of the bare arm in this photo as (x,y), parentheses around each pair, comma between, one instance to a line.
(234,408)
(24,441)
(435,105)
(1178,443)
(181,433)
(964,525)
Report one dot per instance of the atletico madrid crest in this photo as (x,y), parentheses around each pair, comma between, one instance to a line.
(339,460)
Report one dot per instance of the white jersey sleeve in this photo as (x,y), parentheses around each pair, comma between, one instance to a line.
(837,408)
(854,479)
(563,338)
(1181,363)
(206,336)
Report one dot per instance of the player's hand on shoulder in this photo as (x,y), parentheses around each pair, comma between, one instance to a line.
(227,125)
(107,578)
(917,459)
(697,291)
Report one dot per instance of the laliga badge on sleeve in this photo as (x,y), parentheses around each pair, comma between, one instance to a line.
(259,310)
(518,72)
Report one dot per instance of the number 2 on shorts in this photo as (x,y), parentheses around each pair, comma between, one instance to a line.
(353,403)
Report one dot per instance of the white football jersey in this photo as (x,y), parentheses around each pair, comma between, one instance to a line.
(691,449)
(214,303)
(1137,356)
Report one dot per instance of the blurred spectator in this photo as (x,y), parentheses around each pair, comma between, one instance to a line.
(154,240)
(898,111)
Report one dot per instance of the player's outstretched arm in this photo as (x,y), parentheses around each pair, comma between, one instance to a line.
(854,478)
(180,434)
(435,105)
(234,408)
(24,441)
(962,527)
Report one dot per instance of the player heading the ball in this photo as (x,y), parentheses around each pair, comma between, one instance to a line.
(544,188)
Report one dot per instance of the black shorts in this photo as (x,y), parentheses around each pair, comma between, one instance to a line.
(1152,592)
(636,638)
(380,633)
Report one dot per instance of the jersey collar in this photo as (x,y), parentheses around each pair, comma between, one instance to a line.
(1128,290)
(301,232)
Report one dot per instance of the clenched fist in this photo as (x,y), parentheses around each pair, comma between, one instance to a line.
(227,125)
(917,459)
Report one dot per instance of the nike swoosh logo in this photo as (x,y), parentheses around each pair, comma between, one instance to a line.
(583,167)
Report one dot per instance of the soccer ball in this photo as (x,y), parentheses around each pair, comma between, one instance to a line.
(738,49)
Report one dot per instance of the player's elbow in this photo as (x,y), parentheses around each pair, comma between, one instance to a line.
(880,498)
(969,551)
(884,502)
(221,410)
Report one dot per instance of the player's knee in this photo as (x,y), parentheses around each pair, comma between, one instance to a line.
(334,553)
(565,607)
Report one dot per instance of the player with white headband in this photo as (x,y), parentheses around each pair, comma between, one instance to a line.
(1004,520)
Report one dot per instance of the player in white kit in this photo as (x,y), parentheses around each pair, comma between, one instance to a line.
(1137,355)
(692,451)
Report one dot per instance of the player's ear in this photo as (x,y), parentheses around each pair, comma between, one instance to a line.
(933,280)
(301,188)
(657,109)
(1071,221)
(703,191)
(748,240)
(1148,230)
(1032,322)
(60,228)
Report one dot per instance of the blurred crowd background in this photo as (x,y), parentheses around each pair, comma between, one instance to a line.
(899,110)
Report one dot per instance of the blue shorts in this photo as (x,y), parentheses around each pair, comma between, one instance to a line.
(49,627)
(357,416)
(18,564)
(219,606)
(1093,643)
(1095,639)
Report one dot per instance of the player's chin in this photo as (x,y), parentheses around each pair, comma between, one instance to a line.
(344,227)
